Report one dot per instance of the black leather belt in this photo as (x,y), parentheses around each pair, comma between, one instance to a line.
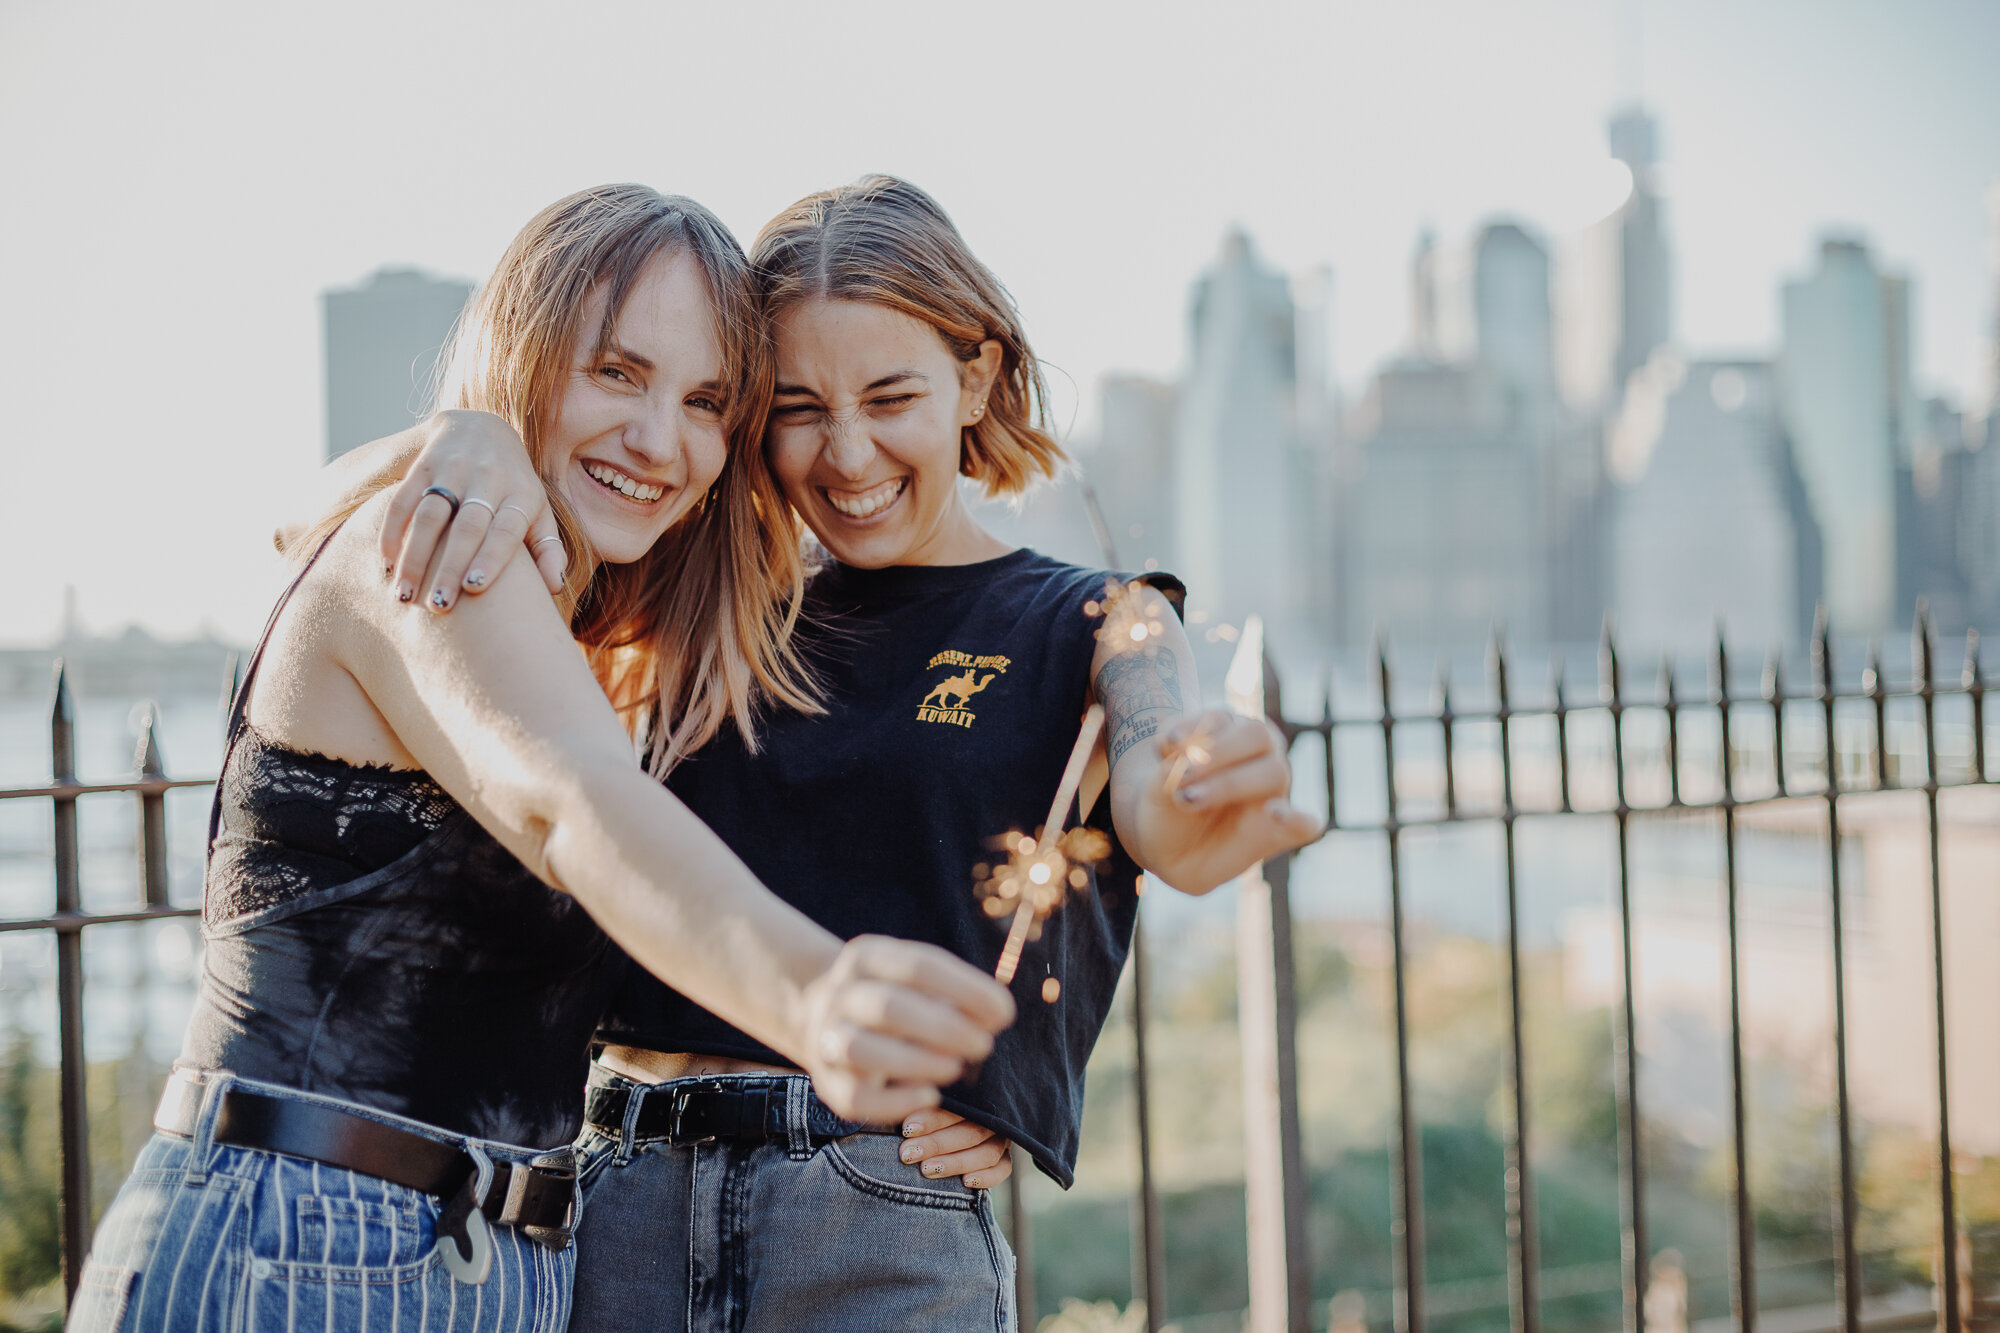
(692,1111)
(537,1197)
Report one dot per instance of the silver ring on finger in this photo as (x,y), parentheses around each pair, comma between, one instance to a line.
(517,509)
(541,541)
(491,512)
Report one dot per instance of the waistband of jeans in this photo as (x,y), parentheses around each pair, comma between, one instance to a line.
(710,1108)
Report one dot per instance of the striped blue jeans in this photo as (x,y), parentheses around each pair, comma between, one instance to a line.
(207,1238)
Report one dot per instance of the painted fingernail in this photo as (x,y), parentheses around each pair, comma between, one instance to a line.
(932,1168)
(404,592)
(912,1151)
(388,566)
(438,599)
(975,1182)
(1194,795)
(911,1128)
(475,578)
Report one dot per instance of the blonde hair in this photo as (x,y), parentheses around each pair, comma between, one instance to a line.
(885,241)
(698,630)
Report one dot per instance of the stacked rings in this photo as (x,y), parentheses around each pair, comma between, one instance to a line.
(444,495)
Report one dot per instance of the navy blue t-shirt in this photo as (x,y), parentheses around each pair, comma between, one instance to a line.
(954,694)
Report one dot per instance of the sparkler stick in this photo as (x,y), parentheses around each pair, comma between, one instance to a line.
(1033,905)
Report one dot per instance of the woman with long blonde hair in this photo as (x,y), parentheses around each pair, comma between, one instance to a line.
(427,826)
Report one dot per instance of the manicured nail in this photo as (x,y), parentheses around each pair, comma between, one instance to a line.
(388,566)
(912,1128)
(912,1151)
(1194,795)
(475,578)
(932,1168)
(438,599)
(975,1182)
(404,592)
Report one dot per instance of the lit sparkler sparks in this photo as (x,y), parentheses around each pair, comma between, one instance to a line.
(1128,618)
(1040,872)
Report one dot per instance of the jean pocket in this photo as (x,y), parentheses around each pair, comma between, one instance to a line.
(102,1294)
(872,1163)
(356,1233)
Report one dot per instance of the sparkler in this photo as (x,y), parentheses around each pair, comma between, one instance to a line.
(1128,618)
(1039,872)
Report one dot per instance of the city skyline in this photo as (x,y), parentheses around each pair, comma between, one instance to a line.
(1485,117)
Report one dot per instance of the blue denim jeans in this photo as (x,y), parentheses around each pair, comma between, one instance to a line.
(745,1236)
(207,1238)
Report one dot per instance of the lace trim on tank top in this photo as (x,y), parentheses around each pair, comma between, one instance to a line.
(296,823)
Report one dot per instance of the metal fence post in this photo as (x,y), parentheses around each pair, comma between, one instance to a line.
(152,813)
(75,1209)
(1022,1239)
(1267,1018)
(1148,1259)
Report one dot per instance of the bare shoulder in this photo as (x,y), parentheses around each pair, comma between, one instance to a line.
(305,696)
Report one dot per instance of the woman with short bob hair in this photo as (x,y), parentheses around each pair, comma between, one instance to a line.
(955,671)
(427,826)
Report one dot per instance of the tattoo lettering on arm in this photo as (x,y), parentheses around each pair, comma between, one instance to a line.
(1136,689)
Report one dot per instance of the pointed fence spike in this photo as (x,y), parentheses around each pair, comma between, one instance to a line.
(149,761)
(61,707)
(1773,672)
(232,681)
(1971,658)
(1607,662)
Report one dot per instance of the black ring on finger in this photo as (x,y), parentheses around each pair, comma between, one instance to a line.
(444,495)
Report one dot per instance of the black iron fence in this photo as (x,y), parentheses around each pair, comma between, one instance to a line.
(1822,741)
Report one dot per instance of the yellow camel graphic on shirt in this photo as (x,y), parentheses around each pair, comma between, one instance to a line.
(960,686)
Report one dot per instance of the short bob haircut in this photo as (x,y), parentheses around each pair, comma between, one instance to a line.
(884,241)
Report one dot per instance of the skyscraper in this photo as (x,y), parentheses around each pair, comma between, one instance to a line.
(1240,516)
(1844,387)
(1510,312)
(1131,466)
(382,343)
(1708,519)
(1445,539)
(1618,281)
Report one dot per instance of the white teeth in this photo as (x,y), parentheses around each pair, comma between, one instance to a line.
(871,502)
(623,484)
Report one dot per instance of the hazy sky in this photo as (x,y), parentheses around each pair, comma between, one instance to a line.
(181,181)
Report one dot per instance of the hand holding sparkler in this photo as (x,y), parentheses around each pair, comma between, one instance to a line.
(890,1023)
(1217,803)
(1198,798)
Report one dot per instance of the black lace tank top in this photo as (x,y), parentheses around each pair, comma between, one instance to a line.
(367,940)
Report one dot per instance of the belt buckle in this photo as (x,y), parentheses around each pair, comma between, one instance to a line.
(559,1166)
(677,1135)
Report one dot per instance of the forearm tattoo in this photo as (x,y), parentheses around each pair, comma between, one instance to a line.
(1140,691)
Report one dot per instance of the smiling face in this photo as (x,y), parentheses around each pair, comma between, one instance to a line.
(639,436)
(865,433)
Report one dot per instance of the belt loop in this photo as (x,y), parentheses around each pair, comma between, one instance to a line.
(215,1087)
(628,1133)
(798,1118)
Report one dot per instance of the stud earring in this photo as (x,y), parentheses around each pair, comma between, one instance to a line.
(978,411)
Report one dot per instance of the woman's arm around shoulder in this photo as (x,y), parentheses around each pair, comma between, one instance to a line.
(497,704)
